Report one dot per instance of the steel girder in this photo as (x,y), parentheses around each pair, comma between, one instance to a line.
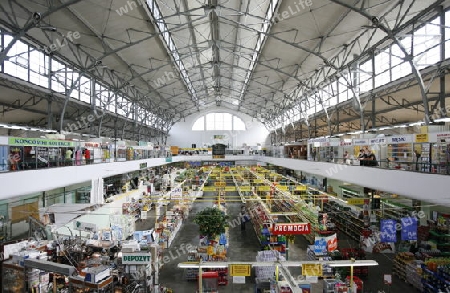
(392,35)
(39,94)
(85,60)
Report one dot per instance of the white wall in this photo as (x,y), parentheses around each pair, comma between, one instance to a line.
(432,188)
(181,134)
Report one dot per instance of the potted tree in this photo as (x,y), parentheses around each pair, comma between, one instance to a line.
(212,222)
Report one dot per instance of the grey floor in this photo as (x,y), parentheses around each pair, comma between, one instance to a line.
(244,245)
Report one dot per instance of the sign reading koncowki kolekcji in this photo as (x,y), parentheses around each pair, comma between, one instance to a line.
(291,229)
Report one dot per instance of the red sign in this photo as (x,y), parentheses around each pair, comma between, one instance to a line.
(291,229)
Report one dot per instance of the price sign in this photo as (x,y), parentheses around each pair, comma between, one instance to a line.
(263,188)
(230,188)
(220,184)
(283,187)
(312,270)
(246,188)
(209,188)
(300,188)
(355,201)
(240,270)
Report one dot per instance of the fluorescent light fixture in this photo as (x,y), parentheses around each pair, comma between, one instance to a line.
(446,119)
(354,263)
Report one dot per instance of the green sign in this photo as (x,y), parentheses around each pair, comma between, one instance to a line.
(136,258)
(142,165)
(24,141)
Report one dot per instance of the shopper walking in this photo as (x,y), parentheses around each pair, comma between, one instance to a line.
(243,220)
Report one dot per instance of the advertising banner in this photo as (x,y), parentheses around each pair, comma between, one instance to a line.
(291,229)
(409,229)
(387,231)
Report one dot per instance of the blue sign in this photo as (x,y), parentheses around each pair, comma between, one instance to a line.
(388,231)
(409,228)
(320,245)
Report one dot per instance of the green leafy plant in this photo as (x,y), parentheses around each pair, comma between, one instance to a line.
(211,222)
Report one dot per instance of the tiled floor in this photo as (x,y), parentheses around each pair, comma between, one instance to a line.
(244,245)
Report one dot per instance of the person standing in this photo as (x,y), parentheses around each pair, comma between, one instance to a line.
(68,157)
(243,220)
(87,156)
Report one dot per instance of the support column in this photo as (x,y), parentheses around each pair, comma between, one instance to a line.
(442,109)
(49,114)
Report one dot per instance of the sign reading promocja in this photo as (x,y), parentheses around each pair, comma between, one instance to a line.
(291,229)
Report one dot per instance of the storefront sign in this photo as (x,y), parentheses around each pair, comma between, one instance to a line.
(312,270)
(373,141)
(346,142)
(291,229)
(400,139)
(360,142)
(441,137)
(240,270)
(423,137)
(136,258)
(22,141)
(409,229)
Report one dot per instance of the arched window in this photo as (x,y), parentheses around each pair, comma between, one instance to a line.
(218,121)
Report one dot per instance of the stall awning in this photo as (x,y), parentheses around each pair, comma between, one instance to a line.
(49,266)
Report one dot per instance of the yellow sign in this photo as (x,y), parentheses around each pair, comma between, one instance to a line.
(312,270)
(263,188)
(283,187)
(220,184)
(261,175)
(209,188)
(210,250)
(423,137)
(355,201)
(300,188)
(240,270)
(258,181)
(246,188)
(230,188)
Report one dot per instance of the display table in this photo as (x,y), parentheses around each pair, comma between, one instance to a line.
(79,283)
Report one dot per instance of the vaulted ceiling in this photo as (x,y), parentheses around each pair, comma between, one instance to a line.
(259,57)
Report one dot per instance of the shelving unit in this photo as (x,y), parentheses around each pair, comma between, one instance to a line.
(401,260)
(327,271)
(440,157)
(346,220)
(394,211)
(435,281)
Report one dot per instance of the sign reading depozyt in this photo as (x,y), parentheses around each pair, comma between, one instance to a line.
(136,258)
(23,141)
(291,229)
